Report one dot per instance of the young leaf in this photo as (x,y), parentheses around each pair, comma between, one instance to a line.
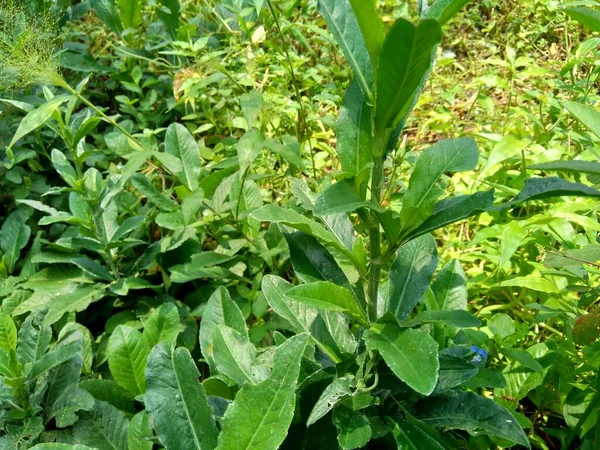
(130,12)
(104,427)
(337,391)
(53,359)
(411,354)
(405,59)
(139,433)
(8,333)
(340,198)
(468,411)
(451,155)
(327,296)
(233,354)
(162,325)
(450,287)
(444,10)
(127,353)
(353,426)
(107,11)
(371,26)
(260,415)
(344,26)
(64,168)
(14,236)
(180,143)
(249,147)
(410,275)
(354,134)
(177,402)
(220,310)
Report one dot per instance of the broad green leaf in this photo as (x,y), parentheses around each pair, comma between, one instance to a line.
(105,427)
(312,261)
(176,401)
(168,12)
(468,411)
(154,196)
(353,426)
(36,118)
(329,330)
(64,168)
(327,296)
(585,114)
(501,325)
(344,26)
(139,433)
(233,354)
(585,16)
(444,10)
(180,143)
(406,57)
(291,218)
(508,147)
(454,209)
(354,134)
(249,147)
(285,152)
(8,333)
(162,325)
(454,371)
(107,11)
(260,415)
(34,339)
(451,155)
(541,188)
(130,12)
(337,391)
(513,235)
(411,354)
(251,104)
(456,318)
(220,310)
(371,26)
(535,282)
(198,267)
(340,198)
(127,353)
(64,398)
(56,446)
(109,391)
(410,275)
(450,287)
(14,236)
(574,166)
(54,358)
(524,358)
(411,437)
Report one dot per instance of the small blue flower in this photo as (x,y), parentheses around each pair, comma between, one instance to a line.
(480,354)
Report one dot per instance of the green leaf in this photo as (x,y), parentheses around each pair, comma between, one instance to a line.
(220,310)
(162,325)
(411,354)
(337,391)
(410,275)
(354,134)
(542,188)
(585,114)
(168,12)
(371,26)
(53,359)
(329,330)
(176,401)
(105,427)
(468,411)
(450,287)
(127,353)
(451,155)
(109,391)
(327,296)
(130,12)
(36,118)
(249,147)
(444,10)
(501,325)
(312,261)
(55,446)
(574,166)
(585,16)
(107,11)
(34,339)
(198,267)
(260,415)
(411,437)
(8,333)
(14,236)
(291,218)
(353,426)
(456,318)
(154,196)
(233,354)
(524,358)
(454,209)
(251,104)
(180,143)
(344,26)
(340,198)
(64,168)
(406,57)
(139,434)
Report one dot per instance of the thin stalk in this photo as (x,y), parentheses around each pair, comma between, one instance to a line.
(302,125)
